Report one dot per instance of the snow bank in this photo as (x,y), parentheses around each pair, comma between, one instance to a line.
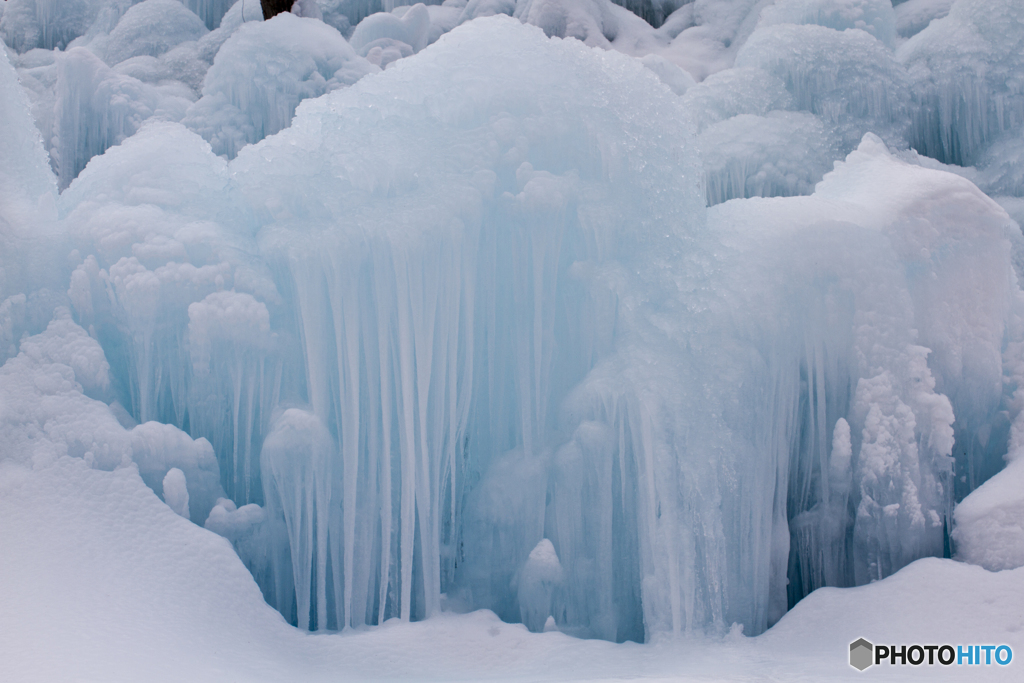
(989,530)
(101,571)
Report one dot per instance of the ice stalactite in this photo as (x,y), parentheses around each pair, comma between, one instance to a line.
(234,384)
(388,379)
(169,286)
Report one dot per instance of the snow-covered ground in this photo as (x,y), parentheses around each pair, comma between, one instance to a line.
(480,340)
(103,582)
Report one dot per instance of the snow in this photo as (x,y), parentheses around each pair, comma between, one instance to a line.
(503,337)
(175,489)
(988,523)
(112,583)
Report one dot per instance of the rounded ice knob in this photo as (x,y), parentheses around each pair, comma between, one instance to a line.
(538,579)
(176,492)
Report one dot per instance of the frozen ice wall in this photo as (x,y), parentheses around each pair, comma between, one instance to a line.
(31,273)
(50,24)
(439,318)
(443,277)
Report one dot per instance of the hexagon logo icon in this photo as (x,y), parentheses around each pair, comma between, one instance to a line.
(861,654)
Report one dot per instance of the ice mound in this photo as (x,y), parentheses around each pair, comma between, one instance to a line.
(176,492)
(989,529)
(152,28)
(842,350)
(913,16)
(847,78)
(486,8)
(1002,166)
(968,75)
(160,449)
(538,580)
(52,405)
(44,413)
(521,179)
(169,278)
(262,73)
(742,90)
(411,29)
(874,16)
(779,155)
(98,108)
(31,268)
(68,344)
(590,21)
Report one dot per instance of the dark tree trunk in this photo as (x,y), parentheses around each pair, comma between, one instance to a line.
(272,8)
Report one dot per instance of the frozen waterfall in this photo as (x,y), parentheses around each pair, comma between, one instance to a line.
(509,323)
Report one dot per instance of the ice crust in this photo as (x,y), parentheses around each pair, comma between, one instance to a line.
(462,313)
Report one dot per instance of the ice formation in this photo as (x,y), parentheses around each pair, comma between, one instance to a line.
(528,306)
(262,73)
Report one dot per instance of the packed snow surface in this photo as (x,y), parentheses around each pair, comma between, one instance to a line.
(529,321)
